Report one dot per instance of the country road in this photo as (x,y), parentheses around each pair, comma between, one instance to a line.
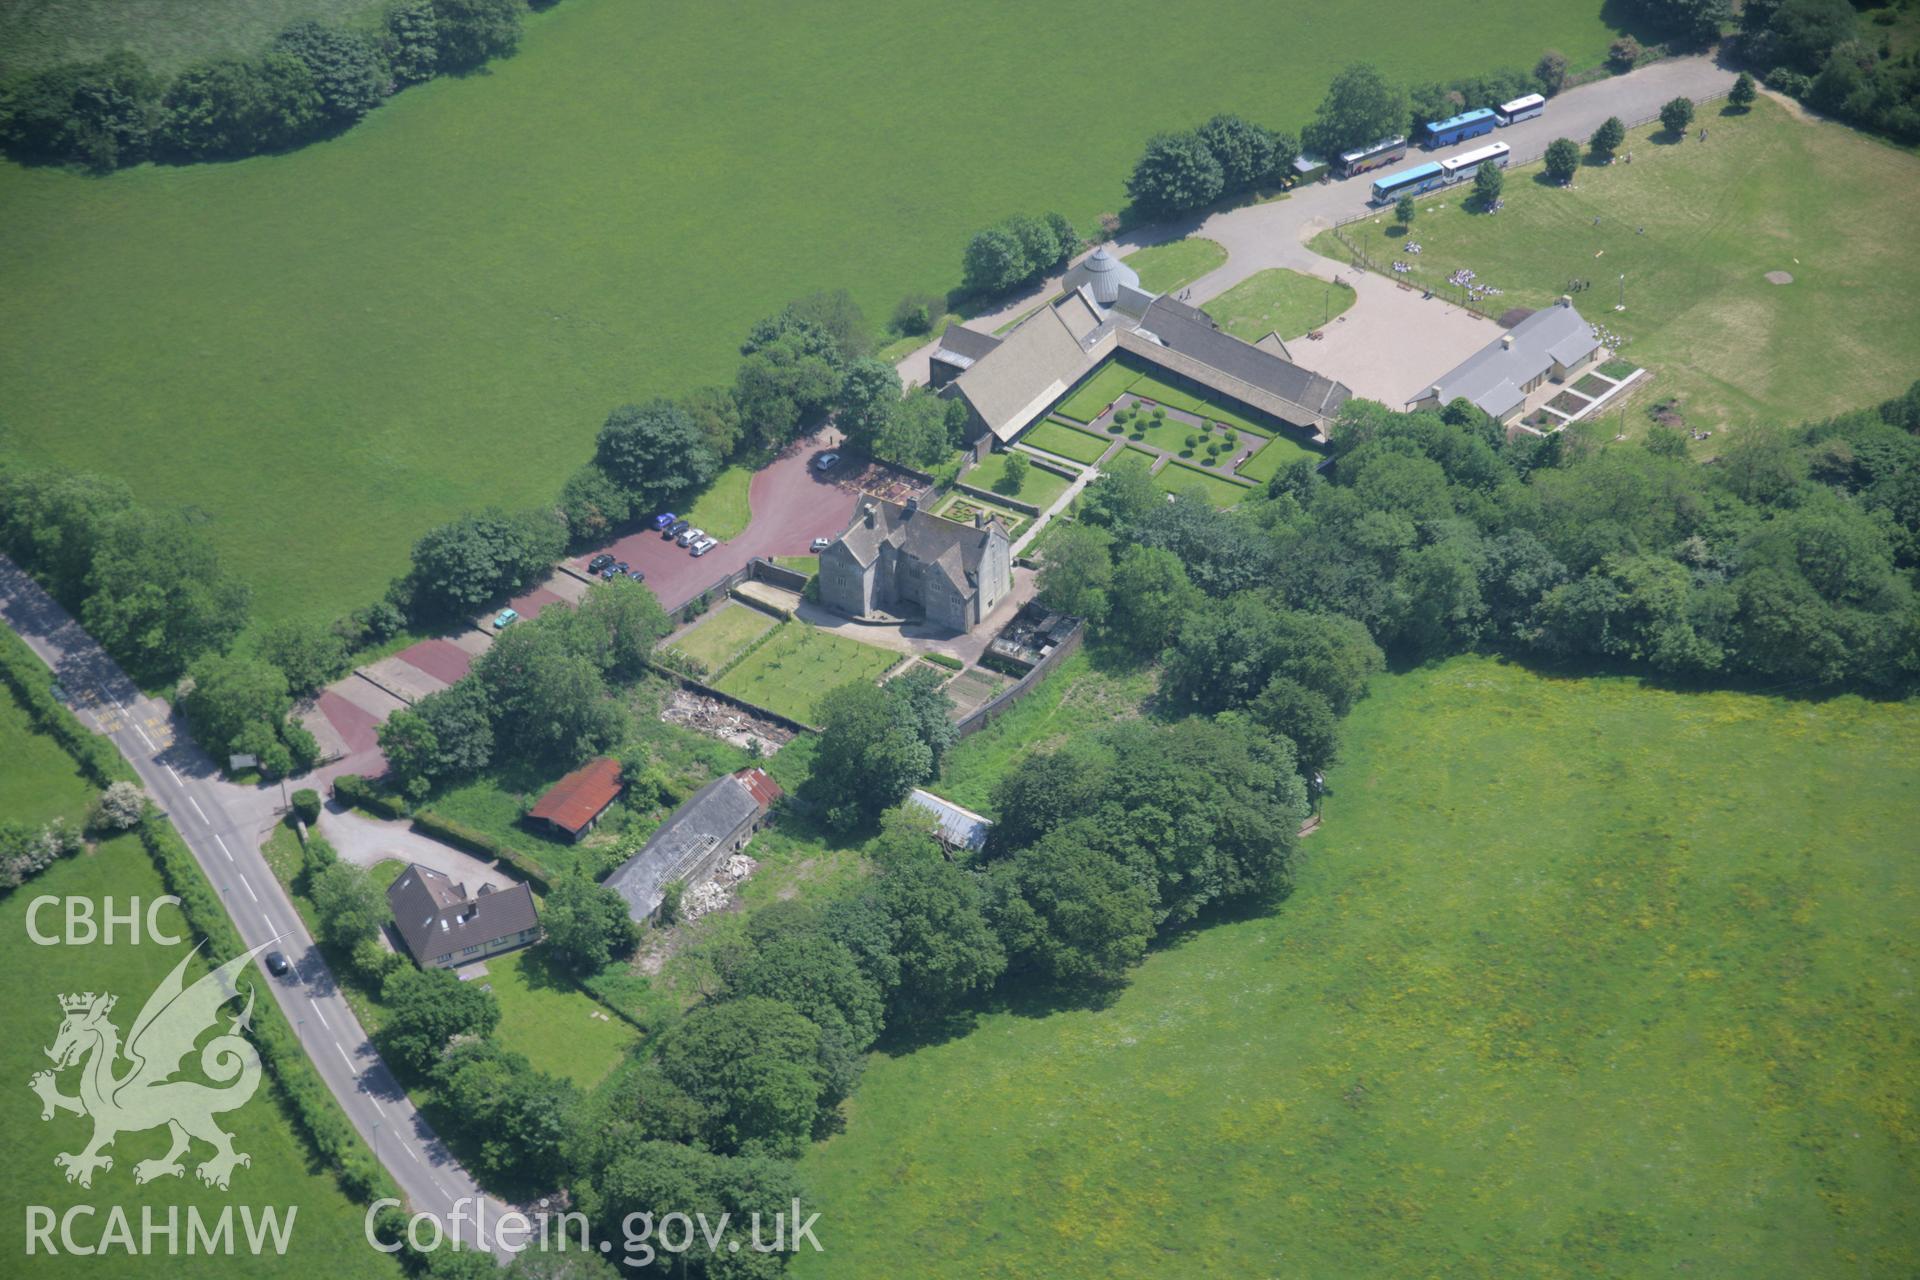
(224,825)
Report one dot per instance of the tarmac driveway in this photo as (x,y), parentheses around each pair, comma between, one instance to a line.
(791,504)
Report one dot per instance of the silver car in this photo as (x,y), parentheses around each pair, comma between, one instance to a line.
(690,535)
(703,546)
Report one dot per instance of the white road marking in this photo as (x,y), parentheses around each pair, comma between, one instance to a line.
(248,885)
(344,1054)
(197,809)
(176,777)
(143,735)
(223,848)
(414,1154)
(321,1014)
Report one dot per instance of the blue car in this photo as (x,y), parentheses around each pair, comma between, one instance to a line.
(664,519)
(505,618)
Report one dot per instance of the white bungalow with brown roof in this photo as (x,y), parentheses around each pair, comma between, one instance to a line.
(900,561)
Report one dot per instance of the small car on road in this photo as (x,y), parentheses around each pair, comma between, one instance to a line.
(615,569)
(278,965)
(703,546)
(636,575)
(599,562)
(687,537)
(825,461)
(664,520)
(505,618)
(675,529)
(820,544)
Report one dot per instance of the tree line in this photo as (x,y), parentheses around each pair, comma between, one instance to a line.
(316,78)
(1817,51)
(1788,563)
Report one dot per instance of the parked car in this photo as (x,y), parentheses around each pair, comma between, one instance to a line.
(820,544)
(505,618)
(599,562)
(615,569)
(703,546)
(687,537)
(675,529)
(664,519)
(278,965)
(636,575)
(825,461)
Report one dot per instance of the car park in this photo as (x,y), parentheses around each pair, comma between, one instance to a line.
(278,965)
(675,529)
(664,520)
(615,569)
(825,461)
(505,618)
(820,544)
(703,546)
(687,537)
(599,562)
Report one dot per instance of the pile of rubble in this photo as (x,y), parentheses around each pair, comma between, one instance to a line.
(729,724)
(713,895)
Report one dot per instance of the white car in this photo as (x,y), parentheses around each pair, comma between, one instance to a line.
(703,546)
(690,535)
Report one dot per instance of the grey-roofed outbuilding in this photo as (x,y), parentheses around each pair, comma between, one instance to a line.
(717,820)
(954,827)
(1550,343)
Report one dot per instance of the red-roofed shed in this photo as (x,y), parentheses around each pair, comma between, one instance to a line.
(573,804)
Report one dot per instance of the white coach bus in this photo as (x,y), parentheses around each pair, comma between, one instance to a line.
(1462,167)
(1520,109)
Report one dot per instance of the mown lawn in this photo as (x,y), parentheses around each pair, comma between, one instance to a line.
(547,1018)
(722,509)
(1580,978)
(1765,192)
(1179,477)
(1174,397)
(1278,301)
(790,672)
(38,781)
(1107,384)
(1066,442)
(1273,455)
(716,638)
(1164,268)
(1039,488)
(326,1237)
(341,347)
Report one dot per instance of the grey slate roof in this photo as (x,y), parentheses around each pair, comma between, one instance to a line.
(1033,366)
(961,346)
(712,815)
(436,917)
(955,549)
(960,828)
(1189,331)
(1492,378)
(1103,275)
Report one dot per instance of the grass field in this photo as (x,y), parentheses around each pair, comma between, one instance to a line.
(1066,442)
(722,509)
(1766,192)
(716,638)
(1153,388)
(1580,978)
(1164,268)
(38,782)
(326,1238)
(167,33)
(340,347)
(1040,488)
(1278,301)
(788,673)
(1178,477)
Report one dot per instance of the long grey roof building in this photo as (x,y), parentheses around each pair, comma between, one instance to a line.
(1552,342)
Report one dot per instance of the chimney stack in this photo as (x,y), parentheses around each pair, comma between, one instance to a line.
(979,518)
(1563,301)
(866,512)
(1506,342)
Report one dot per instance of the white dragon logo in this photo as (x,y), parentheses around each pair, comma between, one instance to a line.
(147,1096)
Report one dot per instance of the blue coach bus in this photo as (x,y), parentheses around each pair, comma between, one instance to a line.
(1408,182)
(1468,124)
